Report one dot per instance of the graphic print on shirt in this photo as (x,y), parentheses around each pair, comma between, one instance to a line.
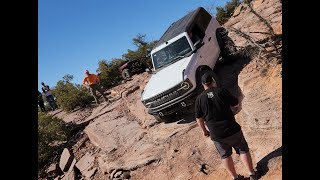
(210,95)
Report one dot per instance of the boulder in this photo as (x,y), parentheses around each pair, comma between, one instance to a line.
(54,170)
(72,165)
(85,165)
(71,175)
(237,10)
(131,90)
(90,173)
(256,3)
(65,160)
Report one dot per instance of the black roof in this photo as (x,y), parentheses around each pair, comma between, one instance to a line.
(199,17)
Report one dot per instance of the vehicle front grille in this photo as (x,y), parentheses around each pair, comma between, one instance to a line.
(166,96)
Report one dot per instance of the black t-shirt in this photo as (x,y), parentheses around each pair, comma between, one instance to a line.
(44,90)
(217,113)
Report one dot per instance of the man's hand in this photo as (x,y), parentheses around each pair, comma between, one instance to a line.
(201,124)
(206,133)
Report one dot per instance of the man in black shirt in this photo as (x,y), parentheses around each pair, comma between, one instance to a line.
(49,97)
(216,119)
(40,102)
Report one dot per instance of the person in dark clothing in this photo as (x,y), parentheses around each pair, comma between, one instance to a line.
(216,119)
(40,102)
(49,97)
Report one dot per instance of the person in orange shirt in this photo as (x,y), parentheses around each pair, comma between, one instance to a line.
(92,81)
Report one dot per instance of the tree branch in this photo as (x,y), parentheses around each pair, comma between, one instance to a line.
(262,19)
(246,36)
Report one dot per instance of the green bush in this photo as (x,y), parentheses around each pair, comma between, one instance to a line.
(109,73)
(224,13)
(140,53)
(247,1)
(70,96)
(50,129)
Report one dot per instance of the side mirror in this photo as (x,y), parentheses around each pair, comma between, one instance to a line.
(198,44)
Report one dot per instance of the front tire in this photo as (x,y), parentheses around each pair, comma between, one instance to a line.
(166,118)
(126,74)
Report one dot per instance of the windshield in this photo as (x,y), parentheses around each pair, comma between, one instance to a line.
(171,53)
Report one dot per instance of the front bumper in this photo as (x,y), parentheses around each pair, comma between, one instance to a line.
(174,106)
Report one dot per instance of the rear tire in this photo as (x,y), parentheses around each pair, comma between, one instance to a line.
(166,118)
(143,68)
(126,74)
(227,46)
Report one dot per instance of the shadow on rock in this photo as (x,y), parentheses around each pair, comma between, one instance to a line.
(263,164)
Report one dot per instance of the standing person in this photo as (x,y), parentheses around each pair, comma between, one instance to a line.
(40,102)
(216,119)
(49,97)
(92,81)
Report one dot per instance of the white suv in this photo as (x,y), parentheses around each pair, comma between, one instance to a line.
(190,47)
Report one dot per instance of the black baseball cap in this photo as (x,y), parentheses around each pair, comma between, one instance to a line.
(206,78)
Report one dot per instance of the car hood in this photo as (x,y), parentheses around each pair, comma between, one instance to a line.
(165,78)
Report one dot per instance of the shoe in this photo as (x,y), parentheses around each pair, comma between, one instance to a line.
(239,177)
(253,177)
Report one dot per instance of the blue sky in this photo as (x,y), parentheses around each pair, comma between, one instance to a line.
(73,35)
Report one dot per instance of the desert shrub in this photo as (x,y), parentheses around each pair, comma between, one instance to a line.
(109,73)
(247,1)
(141,50)
(224,13)
(50,129)
(46,106)
(109,69)
(70,96)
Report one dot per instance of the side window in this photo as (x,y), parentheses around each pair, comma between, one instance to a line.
(196,34)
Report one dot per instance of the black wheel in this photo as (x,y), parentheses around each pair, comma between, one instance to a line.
(227,46)
(143,68)
(166,118)
(126,74)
